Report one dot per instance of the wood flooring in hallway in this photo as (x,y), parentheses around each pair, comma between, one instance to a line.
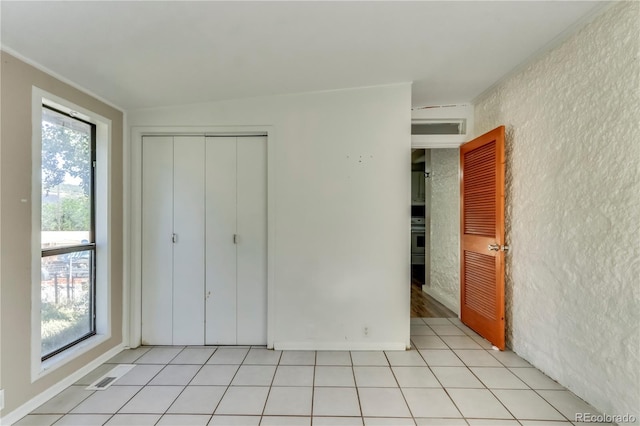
(423,306)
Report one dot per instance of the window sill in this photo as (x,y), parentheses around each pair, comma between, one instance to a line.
(42,368)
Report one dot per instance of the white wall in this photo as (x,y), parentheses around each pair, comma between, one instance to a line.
(573,209)
(342,196)
(445,228)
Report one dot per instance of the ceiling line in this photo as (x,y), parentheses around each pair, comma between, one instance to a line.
(63,79)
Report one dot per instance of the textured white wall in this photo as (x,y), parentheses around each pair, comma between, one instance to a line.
(573,209)
(445,228)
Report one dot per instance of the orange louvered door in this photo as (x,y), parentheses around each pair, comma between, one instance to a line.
(482,235)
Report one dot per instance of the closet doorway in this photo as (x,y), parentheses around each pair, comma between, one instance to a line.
(204,240)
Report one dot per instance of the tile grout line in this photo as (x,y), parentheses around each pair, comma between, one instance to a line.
(270,386)
(313,384)
(355,385)
(477,378)
(190,380)
(404,398)
(489,389)
(443,388)
(230,381)
(554,407)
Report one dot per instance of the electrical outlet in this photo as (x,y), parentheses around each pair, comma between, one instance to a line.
(366,331)
(1,399)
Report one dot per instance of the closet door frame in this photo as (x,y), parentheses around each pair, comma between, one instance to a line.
(132,285)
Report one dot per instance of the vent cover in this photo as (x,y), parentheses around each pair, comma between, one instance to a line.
(108,379)
(438,127)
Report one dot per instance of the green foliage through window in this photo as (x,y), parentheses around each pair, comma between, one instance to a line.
(66,152)
(69,214)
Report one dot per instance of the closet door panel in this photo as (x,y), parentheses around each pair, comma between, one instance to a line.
(220,248)
(157,251)
(252,240)
(188,248)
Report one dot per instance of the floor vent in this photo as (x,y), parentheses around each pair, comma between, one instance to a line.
(108,379)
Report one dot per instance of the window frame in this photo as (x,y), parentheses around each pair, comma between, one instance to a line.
(75,248)
(102,232)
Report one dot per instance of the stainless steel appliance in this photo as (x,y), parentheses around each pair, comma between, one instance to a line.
(417,241)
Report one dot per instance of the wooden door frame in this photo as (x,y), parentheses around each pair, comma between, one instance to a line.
(132,221)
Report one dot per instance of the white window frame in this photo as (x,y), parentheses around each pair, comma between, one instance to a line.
(103,125)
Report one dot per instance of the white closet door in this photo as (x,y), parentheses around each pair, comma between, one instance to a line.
(252,240)
(220,247)
(157,251)
(188,248)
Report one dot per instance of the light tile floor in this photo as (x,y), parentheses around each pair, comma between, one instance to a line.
(450,377)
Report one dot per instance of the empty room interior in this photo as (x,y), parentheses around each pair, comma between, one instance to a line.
(319,213)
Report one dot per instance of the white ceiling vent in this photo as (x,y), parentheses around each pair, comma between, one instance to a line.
(446,126)
(439,127)
(108,379)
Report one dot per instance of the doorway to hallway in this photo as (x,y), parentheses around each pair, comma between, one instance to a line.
(434,232)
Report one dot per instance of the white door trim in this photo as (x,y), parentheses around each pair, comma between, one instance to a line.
(438,142)
(134,216)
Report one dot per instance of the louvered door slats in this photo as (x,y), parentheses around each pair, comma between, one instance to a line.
(482,224)
(479,190)
(481,283)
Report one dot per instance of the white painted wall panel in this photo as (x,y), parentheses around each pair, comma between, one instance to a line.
(340,250)
(221,261)
(188,250)
(572,185)
(252,241)
(157,250)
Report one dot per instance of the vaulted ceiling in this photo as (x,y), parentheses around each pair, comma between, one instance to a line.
(151,53)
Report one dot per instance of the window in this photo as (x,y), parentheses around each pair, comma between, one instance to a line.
(71,220)
(68,245)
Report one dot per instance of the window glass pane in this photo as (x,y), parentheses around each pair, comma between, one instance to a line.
(66,180)
(66,293)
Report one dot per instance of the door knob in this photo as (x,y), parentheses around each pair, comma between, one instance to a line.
(494,247)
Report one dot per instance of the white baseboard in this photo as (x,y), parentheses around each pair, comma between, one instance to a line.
(43,397)
(340,346)
(446,301)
